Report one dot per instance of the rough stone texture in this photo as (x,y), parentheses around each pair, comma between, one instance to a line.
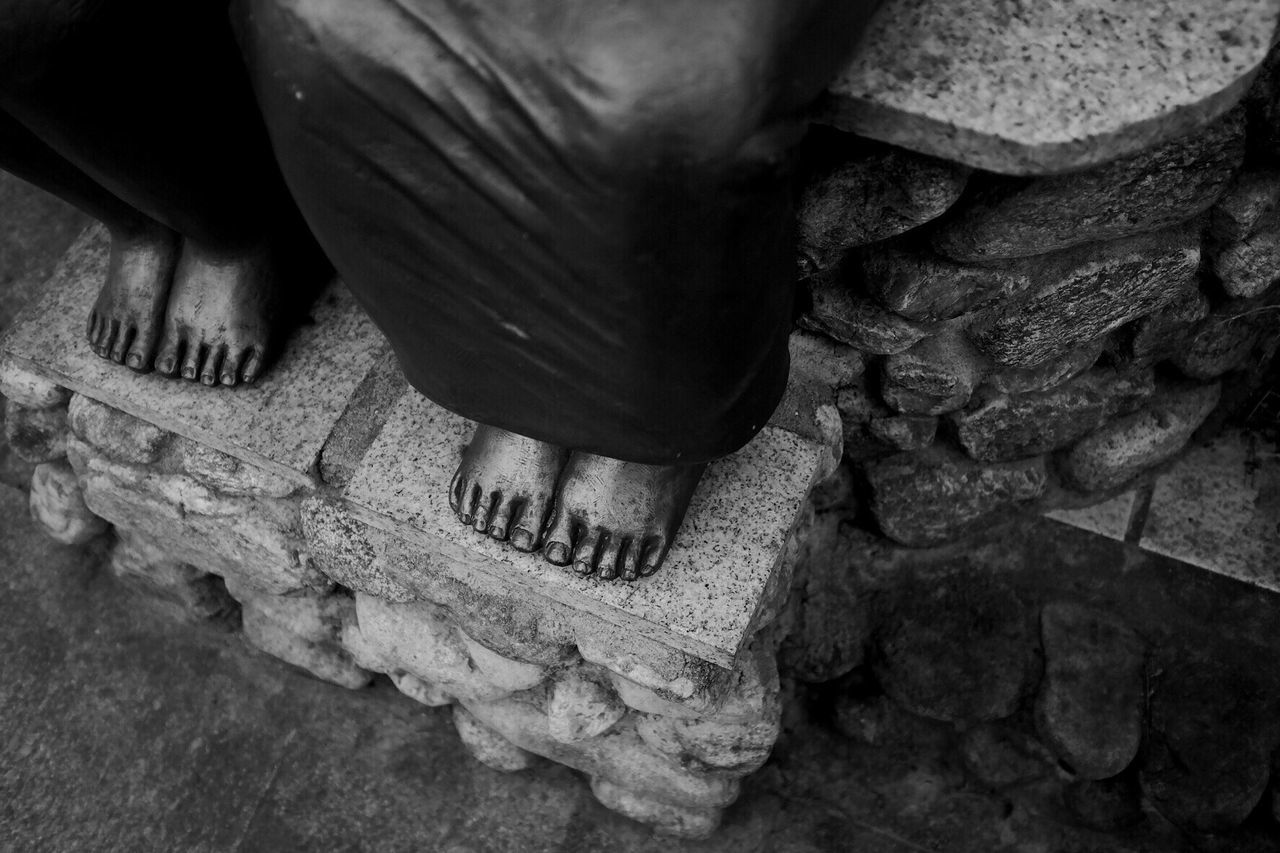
(1251,266)
(57,503)
(36,435)
(1213,727)
(1047,374)
(1126,446)
(823,360)
(1089,291)
(998,428)
(364,416)
(935,376)
(999,755)
(581,708)
(1223,341)
(487,746)
(857,321)
(667,818)
(120,436)
(859,406)
(956,649)
(1238,212)
(905,432)
(934,496)
(1014,89)
(229,475)
(1109,518)
(877,193)
(1090,705)
(182,591)
(1159,188)
(907,277)
(29,389)
(1165,332)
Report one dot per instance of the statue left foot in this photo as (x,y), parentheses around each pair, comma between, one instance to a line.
(221,320)
(618,518)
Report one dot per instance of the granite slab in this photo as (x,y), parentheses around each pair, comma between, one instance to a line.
(1027,88)
(1110,518)
(1219,508)
(279,423)
(705,599)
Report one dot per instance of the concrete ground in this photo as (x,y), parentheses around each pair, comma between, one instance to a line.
(121,730)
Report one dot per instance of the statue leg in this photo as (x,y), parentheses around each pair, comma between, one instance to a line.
(573,222)
(126,318)
(149,100)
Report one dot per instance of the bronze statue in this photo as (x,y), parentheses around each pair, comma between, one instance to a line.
(139,112)
(571,218)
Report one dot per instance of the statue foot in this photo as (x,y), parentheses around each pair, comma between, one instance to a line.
(505,484)
(124,325)
(222,315)
(618,518)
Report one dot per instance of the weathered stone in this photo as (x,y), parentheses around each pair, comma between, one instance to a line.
(832,620)
(341,548)
(36,435)
(1158,188)
(905,432)
(955,649)
(488,746)
(1238,212)
(665,818)
(431,695)
(878,193)
(304,630)
(935,376)
(1047,374)
(1107,804)
(858,406)
(28,389)
(417,638)
(1221,342)
(1213,727)
(57,503)
(1032,88)
(857,321)
(650,677)
(1251,266)
(835,492)
(1163,333)
(120,436)
(824,360)
(1090,291)
(582,708)
(908,278)
(738,745)
(184,592)
(999,755)
(363,418)
(231,476)
(998,428)
(1089,709)
(934,496)
(1126,446)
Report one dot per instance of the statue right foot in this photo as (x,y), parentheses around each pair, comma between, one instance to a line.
(505,484)
(124,325)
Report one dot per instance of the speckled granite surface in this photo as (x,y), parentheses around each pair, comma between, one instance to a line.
(1022,87)
(280,423)
(704,600)
(1109,518)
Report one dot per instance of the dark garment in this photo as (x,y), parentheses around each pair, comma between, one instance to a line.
(572,219)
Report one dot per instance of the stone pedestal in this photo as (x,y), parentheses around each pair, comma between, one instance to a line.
(318,497)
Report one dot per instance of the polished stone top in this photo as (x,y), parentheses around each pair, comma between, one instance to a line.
(1026,87)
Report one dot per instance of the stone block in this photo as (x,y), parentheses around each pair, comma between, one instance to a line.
(343,550)
(934,377)
(58,505)
(581,708)
(651,677)
(1087,292)
(909,278)
(877,193)
(935,495)
(1123,448)
(28,388)
(824,360)
(364,416)
(1163,333)
(417,638)
(1150,191)
(1046,374)
(229,475)
(1238,212)
(857,321)
(1000,428)
(36,435)
(487,746)
(1048,87)
(1090,705)
(252,540)
(181,590)
(905,432)
(1250,266)
(859,407)
(120,436)
(665,818)
(1221,342)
